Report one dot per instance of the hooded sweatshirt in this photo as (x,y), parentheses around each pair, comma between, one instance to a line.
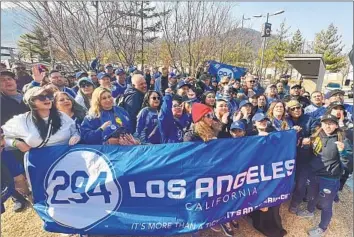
(328,161)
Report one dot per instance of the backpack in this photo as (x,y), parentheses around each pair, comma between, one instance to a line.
(120,100)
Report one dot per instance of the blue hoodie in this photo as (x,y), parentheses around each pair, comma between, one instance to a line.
(90,127)
(171,129)
(118,89)
(146,127)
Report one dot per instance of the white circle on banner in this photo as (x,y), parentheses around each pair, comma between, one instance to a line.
(82,189)
(222,72)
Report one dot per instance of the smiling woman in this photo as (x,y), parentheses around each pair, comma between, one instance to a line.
(43,126)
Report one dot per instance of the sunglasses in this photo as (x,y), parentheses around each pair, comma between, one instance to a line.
(252,81)
(295,108)
(83,85)
(155,98)
(177,106)
(43,97)
(209,116)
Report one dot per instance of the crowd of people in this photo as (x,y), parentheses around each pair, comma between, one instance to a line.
(132,107)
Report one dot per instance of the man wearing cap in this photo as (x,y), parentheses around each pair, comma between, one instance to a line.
(105,81)
(23,78)
(120,81)
(131,71)
(295,95)
(172,81)
(108,68)
(316,102)
(55,77)
(182,89)
(237,129)
(12,104)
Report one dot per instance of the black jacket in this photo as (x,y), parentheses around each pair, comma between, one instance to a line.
(10,108)
(133,100)
(328,161)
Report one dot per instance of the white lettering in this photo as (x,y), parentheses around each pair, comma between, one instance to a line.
(208,189)
(252,175)
(133,193)
(220,179)
(176,192)
(278,167)
(289,165)
(160,184)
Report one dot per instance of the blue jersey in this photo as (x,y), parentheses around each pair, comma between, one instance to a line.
(146,128)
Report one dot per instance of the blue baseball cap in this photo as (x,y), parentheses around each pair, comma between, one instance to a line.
(182,84)
(238,125)
(219,97)
(102,75)
(119,71)
(172,74)
(244,103)
(79,74)
(113,130)
(132,69)
(259,117)
(85,79)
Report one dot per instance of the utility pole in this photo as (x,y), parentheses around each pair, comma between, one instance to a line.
(266,33)
(263,48)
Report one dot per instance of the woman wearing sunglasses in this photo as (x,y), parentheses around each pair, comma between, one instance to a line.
(84,94)
(104,115)
(70,107)
(173,122)
(304,125)
(146,127)
(44,125)
(203,124)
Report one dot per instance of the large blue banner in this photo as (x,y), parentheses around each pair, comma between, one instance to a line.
(220,70)
(159,189)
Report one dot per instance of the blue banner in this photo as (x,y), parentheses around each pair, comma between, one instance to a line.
(220,70)
(159,189)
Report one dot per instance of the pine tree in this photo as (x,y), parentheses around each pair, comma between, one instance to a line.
(328,42)
(34,45)
(296,42)
(149,24)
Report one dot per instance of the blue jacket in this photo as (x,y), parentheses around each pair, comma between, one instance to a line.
(171,129)
(90,127)
(308,125)
(95,64)
(322,110)
(133,100)
(119,89)
(146,128)
(270,100)
(65,89)
(311,108)
(233,106)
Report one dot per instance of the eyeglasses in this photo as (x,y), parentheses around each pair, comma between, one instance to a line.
(83,85)
(295,108)
(155,98)
(43,97)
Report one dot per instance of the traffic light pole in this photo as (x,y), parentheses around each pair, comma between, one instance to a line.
(262,57)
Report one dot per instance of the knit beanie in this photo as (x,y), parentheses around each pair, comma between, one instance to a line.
(199,110)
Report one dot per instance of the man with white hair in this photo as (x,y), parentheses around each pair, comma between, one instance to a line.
(134,96)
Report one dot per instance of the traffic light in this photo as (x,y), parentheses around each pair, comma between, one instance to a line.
(267,28)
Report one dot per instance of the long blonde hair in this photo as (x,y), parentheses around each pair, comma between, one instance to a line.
(95,109)
(284,123)
(204,131)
